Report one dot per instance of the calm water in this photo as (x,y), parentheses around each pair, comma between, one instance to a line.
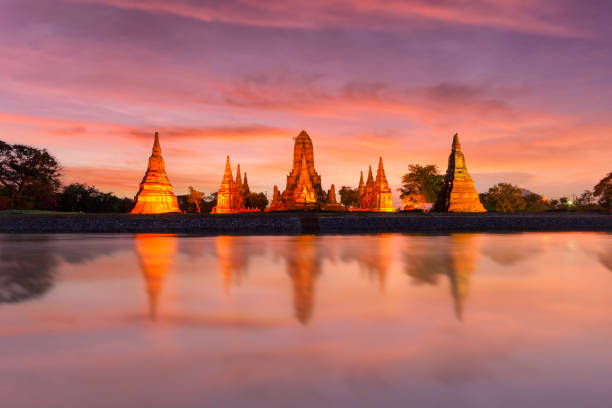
(467,320)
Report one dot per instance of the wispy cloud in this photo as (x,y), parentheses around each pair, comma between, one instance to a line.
(376,14)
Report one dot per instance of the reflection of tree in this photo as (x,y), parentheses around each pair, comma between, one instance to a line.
(27,269)
(373,255)
(510,251)
(454,256)
(86,249)
(606,259)
(156,255)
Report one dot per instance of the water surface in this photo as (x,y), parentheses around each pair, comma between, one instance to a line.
(465,320)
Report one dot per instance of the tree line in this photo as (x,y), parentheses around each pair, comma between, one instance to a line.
(30,179)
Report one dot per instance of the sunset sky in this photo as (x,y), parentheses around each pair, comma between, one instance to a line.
(526,84)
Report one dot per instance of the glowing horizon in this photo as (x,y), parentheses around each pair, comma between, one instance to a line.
(525,84)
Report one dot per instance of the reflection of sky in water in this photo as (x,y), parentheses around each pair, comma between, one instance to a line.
(467,320)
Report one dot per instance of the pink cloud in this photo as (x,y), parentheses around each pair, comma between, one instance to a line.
(377,14)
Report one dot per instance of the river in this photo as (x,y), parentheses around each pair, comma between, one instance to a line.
(462,320)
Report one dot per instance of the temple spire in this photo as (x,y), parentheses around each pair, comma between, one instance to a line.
(238,178)
(229,196)
(456,144)
(156,145)
(361,184)
(370,177)
(227,176)
(245,190)
(458,193)
(155,191)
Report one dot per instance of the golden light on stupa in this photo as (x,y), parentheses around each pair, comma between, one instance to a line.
(155,254)
(303,190)
(375,194)
(458,193)
(155,195)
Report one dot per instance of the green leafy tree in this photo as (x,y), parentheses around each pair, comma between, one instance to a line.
(257,200)
(195,197)
(603,190)
(349,197)
(421,181)
(25,169)
(504,197)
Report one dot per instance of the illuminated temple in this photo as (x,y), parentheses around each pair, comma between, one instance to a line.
(375,195)
(231,196)
(303,190)
(458,193)
(155,195)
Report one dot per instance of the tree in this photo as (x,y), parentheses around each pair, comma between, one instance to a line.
(195,197)
(603,190)
(84,198)
(349,197)
(22,167)
(534,202)
(504,197)
(586,198)
(208,203)
(421,182)
(256,200)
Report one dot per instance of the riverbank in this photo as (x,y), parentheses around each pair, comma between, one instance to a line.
(303,223)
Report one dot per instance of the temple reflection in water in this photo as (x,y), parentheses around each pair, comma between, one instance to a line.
(251,263)
(303,267)
(155,255)
(455,256)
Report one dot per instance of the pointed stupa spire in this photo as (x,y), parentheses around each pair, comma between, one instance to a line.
(361,184)
(456,144)
(227,176)
(229,199)
(245,190)
(381,198)
(238,177)
(276,198)
(332,194)
(458,193)
(155,192)
(381,178)
(370,177)
(156,145)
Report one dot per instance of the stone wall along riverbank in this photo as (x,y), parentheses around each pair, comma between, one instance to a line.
(302,223)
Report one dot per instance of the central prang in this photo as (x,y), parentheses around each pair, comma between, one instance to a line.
(304,190)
